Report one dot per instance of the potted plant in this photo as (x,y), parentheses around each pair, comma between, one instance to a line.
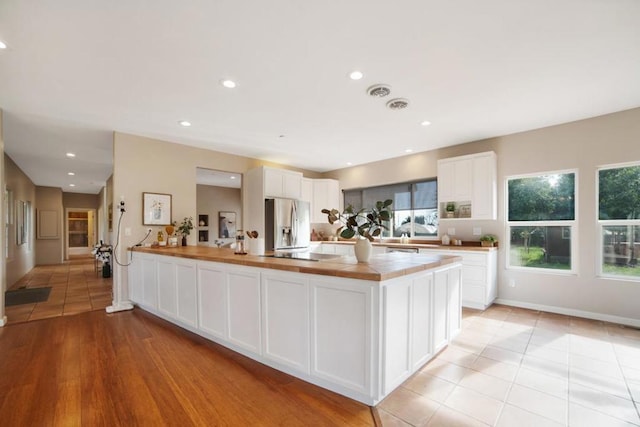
(450,209)
(488,240)
(362,224)
(185,228)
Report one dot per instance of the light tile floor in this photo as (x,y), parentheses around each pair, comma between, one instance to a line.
(517,367)
(75,288)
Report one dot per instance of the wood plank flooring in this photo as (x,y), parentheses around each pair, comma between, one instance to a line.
(133,369)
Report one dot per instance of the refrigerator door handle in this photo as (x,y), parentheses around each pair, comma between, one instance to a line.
(294,224)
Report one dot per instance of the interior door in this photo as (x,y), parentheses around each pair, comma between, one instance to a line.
(81,231)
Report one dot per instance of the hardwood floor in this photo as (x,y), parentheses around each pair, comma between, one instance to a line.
(131,368)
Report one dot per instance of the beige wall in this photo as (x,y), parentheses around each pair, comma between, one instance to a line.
(80,200)
(581,145)
(147,165)
(21,258)
(50,251)
(211,200)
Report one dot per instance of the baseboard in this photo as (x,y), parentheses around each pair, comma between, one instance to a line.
(3,321)
(121,306)
(571,312)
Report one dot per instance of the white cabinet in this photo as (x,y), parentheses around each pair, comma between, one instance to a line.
(421,310)
(470,183)
(282,183)
(397,324)
(341,335)
(338,249)
(479,283)
(447,316)
(212,299)
(307,191)
(186,292)
(265,182)
(285,320)
(326,195)
(167,303)
(243,304)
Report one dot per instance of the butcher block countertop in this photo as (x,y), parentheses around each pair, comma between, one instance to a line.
(379,268)
(466,246)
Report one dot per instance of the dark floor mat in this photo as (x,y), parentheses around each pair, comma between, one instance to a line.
(26,296)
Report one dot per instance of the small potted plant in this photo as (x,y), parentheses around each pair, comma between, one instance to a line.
(488,240)
(185,228)
(362,224)
(450,209)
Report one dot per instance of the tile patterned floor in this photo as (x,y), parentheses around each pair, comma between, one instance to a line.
(75,288)
(516,367)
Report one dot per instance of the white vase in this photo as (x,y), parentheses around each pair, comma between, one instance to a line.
(362,249)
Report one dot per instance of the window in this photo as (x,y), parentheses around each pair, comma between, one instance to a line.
(415,206)
(619,221)
(541,221)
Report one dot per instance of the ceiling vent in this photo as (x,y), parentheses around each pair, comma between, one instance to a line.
(379,91)
(398,104)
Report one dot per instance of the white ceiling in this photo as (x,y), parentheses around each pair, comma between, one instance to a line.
(76,70)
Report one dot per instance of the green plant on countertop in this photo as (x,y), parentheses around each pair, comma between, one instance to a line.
(361,223)
(488,240)
(451,207)
(185,226)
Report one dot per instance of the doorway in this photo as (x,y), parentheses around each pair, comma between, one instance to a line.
(81,231)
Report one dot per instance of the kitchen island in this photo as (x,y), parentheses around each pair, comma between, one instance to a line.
(357,329)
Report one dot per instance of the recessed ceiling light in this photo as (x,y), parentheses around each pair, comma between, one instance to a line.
(425,123)
(2,45)
(349,163)
(228,83)
(71,155)
(72,185)
(70,173)
(408,150)
(184,123)
(356,75)
(232,177)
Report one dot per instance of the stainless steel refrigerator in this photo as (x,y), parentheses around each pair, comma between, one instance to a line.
(287,224)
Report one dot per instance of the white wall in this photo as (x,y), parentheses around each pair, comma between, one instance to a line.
(581,145)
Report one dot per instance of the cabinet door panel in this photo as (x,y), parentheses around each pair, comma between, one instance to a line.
(397,364)
(244,310)
(454,320)
(167,288)
(340,337)
(286,321)
(440,308)
(149,282)
(462,184)
(273,186)
(474,274)
(212,289)
(422,311)
(292,185)
(187,293)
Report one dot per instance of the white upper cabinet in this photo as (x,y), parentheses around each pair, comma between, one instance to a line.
(326,194)
(307,190)
(469,185)
(282,183)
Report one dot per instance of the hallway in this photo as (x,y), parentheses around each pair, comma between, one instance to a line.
(75,288)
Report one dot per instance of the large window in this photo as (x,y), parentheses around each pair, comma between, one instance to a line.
(619,220)
(415,206)
(541,221)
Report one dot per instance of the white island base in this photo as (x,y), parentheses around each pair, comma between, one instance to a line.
(359,338)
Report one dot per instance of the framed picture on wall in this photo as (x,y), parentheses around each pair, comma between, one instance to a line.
(156,209)
(227,225)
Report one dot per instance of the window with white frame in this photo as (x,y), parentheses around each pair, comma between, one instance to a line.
(619,220)
(415,206)
(541,221)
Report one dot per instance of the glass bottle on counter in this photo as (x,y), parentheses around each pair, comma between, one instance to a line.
(240,247)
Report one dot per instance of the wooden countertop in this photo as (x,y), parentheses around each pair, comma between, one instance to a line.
(379,268)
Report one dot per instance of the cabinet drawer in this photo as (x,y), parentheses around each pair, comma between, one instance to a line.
(474,259)
(473,293)
(474,274)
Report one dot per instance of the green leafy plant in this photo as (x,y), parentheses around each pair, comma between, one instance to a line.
(489,238)
(361,223)
(451,207)
(185,226)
